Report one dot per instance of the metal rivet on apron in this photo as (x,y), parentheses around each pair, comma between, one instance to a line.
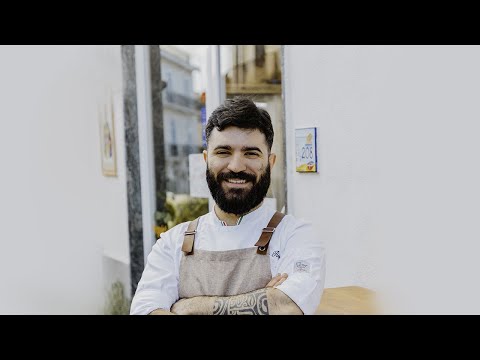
(261,248)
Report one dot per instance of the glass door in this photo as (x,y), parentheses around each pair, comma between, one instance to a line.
(256,71)
(183,70)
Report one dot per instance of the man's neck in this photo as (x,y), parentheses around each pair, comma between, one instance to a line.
(231,219)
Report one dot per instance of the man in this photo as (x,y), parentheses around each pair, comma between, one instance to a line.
(242,257)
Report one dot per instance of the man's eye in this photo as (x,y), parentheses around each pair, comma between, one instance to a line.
(251,154)
(222,152)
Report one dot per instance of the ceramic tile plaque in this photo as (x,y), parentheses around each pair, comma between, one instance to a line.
(306,149)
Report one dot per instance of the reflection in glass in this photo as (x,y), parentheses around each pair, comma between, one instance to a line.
(183,105)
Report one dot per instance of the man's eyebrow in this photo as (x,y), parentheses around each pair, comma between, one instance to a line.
(223,147)
(243,149)
(251,148)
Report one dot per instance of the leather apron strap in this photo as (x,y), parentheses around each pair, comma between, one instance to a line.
(262,243)
(267,233)
(189,238)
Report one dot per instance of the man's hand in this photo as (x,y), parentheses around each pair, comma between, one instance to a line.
(161,312)
(278,302)
(277,280)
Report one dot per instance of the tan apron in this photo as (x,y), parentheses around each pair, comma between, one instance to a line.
(225,273)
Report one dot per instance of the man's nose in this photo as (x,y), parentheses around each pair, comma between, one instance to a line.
(236,164)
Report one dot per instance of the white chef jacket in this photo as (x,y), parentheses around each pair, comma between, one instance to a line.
(294,249)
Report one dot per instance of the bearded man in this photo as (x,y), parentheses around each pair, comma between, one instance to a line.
(242,257)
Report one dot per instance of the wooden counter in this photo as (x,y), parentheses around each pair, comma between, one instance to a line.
(347,300)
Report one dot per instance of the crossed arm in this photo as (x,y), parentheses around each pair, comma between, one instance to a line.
(265,301)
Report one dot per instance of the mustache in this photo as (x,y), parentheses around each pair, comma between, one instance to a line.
(233,175)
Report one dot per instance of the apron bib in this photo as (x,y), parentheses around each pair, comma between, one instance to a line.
(225,273)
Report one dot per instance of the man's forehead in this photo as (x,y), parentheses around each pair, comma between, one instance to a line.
(237,136)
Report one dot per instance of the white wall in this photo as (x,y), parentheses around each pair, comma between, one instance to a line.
(396,197)
(60,217)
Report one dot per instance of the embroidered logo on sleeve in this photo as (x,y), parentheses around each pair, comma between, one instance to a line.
(301,266)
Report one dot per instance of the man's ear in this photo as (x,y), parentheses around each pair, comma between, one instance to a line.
(205,155)
(271,160)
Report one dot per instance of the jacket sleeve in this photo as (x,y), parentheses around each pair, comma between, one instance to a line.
(158,286)
(304,261)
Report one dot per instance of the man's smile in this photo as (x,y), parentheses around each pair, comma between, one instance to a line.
(236,183)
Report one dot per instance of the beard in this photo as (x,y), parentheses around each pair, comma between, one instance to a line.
(238,201)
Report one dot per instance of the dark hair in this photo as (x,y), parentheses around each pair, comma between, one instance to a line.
(243,113)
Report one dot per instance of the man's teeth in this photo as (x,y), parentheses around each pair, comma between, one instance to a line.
(236,181)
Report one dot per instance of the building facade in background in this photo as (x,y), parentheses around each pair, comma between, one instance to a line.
(182,117)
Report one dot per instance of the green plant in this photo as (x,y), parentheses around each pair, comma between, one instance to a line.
(117,303)
(190,208)
(180,208)
(166,217)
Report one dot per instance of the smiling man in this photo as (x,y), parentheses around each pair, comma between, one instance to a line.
(242,257)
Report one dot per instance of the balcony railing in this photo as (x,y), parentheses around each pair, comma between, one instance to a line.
(183,100)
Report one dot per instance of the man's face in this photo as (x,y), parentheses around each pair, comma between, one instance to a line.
(238,168)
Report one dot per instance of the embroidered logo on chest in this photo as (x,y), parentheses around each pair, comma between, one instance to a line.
(276,254)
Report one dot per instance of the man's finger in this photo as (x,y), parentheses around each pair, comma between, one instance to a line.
(277,280)
(282,279)
(274,280)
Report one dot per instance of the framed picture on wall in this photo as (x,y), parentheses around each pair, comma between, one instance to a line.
(107,138)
